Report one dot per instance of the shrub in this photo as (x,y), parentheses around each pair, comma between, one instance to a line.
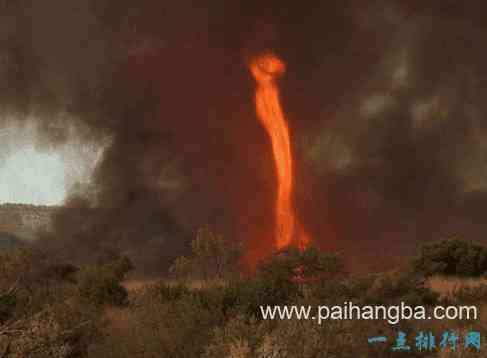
(452,257)
(170,293)
(26,274)
(100,283)
(278,280)
(181,268)
(239,337)
(61,271)
(153,328)
(7,306)
(293,264)
(39,298)
(316,263)
(112,293)
(120,267)
(392,288)
(212,256)
(101,286)
(281,267)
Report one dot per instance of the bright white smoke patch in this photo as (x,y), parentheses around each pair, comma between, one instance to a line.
(42,174)
(28,176)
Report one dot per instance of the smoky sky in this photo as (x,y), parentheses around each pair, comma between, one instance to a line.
(384,101)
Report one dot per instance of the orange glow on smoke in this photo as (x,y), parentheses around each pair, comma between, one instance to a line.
(265,69)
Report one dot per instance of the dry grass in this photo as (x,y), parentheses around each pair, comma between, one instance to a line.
(447,285)
(135,285)
(155,325)
(139,284)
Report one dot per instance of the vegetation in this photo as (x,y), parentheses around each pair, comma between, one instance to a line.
(212,257)
(54,309)
(470,294)
(7,306)
(101,283)
(452,257)
(51,308)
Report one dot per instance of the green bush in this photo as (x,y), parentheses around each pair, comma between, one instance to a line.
(170,293)
(278,280)
(212,257)
(293,264)
(317,263)
(120,267)
(452,257)
(112,293)
(100,283)
(61,272)
(101,286)
(7,306)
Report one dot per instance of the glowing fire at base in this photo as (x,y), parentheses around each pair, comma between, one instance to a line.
(266,68)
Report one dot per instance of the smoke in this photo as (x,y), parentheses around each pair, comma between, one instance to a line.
(406,152)
(384,101)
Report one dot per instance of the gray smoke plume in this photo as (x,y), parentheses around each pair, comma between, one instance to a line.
(384,100)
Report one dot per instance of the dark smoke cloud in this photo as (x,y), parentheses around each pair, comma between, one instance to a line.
(408,159)
(384,101)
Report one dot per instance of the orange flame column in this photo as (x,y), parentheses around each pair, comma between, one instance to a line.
(265,69)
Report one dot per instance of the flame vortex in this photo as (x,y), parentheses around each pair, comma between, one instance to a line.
(265,69)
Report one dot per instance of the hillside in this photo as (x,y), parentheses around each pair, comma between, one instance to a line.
(23,220)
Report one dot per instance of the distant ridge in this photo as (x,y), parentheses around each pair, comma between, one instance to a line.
(23,221)
(29,206)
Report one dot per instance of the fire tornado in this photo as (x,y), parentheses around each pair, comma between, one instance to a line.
(266,69)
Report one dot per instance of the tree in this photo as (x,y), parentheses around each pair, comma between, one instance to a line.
(452,257)
(212,256)
(306,265)
(101,284)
